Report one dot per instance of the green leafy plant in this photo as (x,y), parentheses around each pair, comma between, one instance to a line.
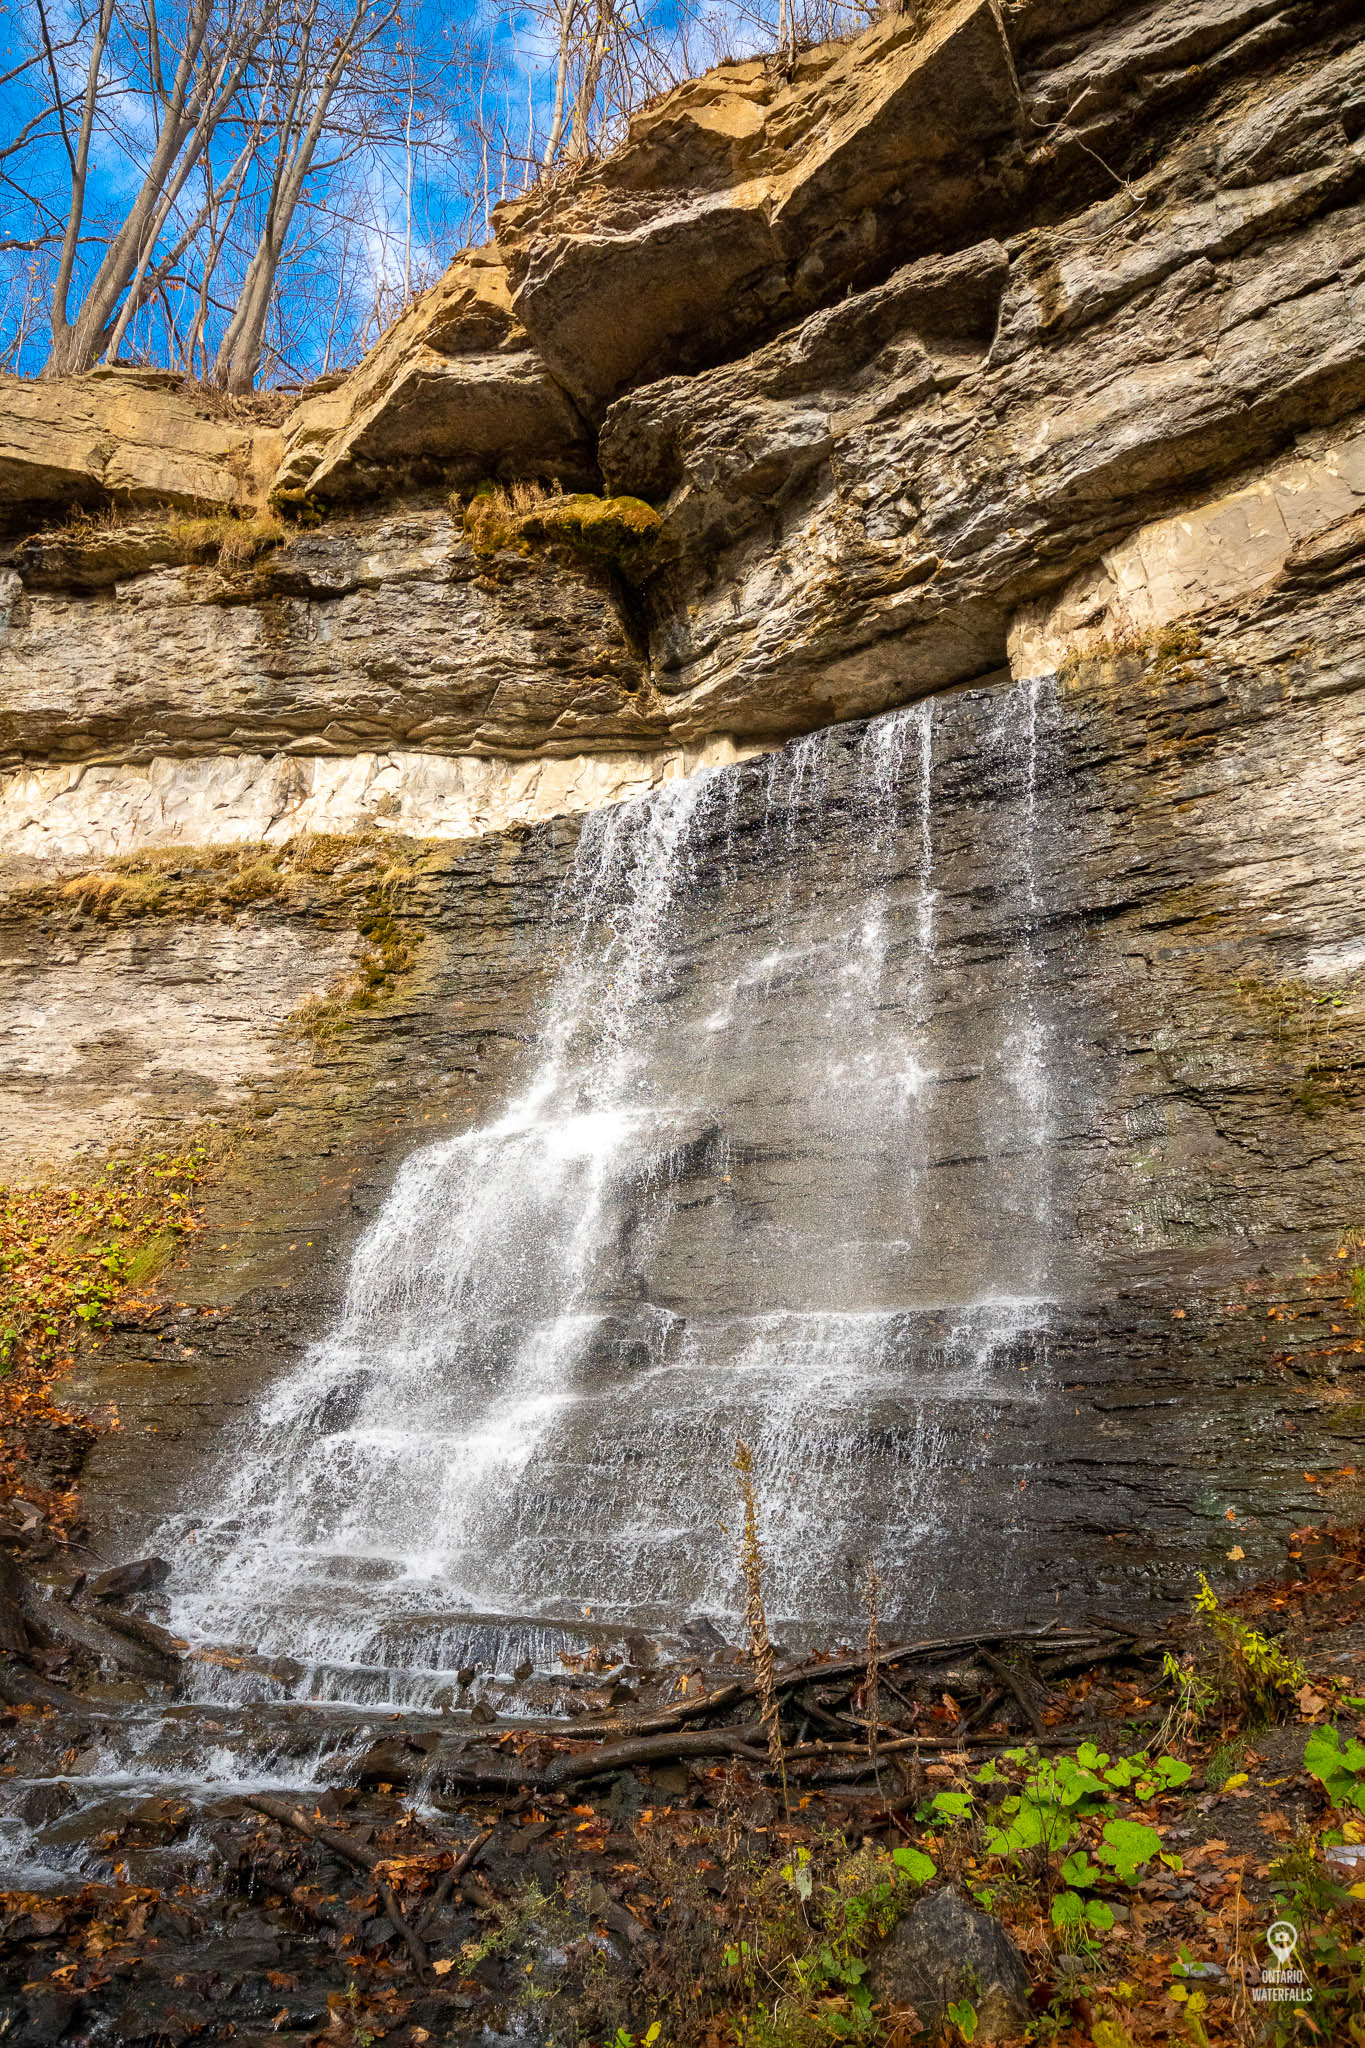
(1339,1767)
(1356,1295)
(1253,1673)
(1071,1911)
(962,2014)
(803,1975)
(1056,1795)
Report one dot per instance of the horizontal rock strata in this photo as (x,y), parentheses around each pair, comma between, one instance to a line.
(80,813)
(130,437)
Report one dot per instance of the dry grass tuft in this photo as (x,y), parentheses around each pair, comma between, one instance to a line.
(233,543)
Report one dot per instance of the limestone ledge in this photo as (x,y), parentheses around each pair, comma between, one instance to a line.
(66,813)
(1212,554)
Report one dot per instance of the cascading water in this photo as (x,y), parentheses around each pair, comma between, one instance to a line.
(772,1173)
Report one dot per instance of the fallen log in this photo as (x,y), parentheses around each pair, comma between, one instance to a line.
(737,1689)
(1080,1660)
(139,1630)
(484,1779)
(658,1749)
(358,1853)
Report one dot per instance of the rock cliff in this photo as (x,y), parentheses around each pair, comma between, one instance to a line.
(1011,340)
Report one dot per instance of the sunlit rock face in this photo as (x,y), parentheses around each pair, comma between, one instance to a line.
(93,812)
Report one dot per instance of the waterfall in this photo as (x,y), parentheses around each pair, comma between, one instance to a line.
(774,1170)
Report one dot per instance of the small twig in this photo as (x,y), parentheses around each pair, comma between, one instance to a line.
(1012,1680)
(985,1707)
(755,1615)
(871,1588)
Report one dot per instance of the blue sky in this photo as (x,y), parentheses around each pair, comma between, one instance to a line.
(463,86)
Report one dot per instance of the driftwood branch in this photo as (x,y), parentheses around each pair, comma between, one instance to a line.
(467,1857)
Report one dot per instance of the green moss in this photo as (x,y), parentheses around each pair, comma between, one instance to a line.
(613,532)
(150,1259)
(1319,1030)
(299,507)
(1166,652)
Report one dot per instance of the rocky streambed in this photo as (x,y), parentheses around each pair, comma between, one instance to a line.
(197,1870)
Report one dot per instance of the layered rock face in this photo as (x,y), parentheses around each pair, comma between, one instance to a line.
(1008,356)
(957,306)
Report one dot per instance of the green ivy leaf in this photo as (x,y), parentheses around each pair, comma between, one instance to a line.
(962,2013)
(1127,1845)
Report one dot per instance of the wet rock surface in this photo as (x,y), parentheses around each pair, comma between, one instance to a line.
(1005,1056)
(1187,944)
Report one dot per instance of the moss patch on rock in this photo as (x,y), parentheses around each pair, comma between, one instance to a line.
(95,550)
(610,532)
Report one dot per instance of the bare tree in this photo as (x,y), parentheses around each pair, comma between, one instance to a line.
(191,71)
(253,189)
(321,56)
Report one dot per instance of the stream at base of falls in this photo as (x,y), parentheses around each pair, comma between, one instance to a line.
(782,1165)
